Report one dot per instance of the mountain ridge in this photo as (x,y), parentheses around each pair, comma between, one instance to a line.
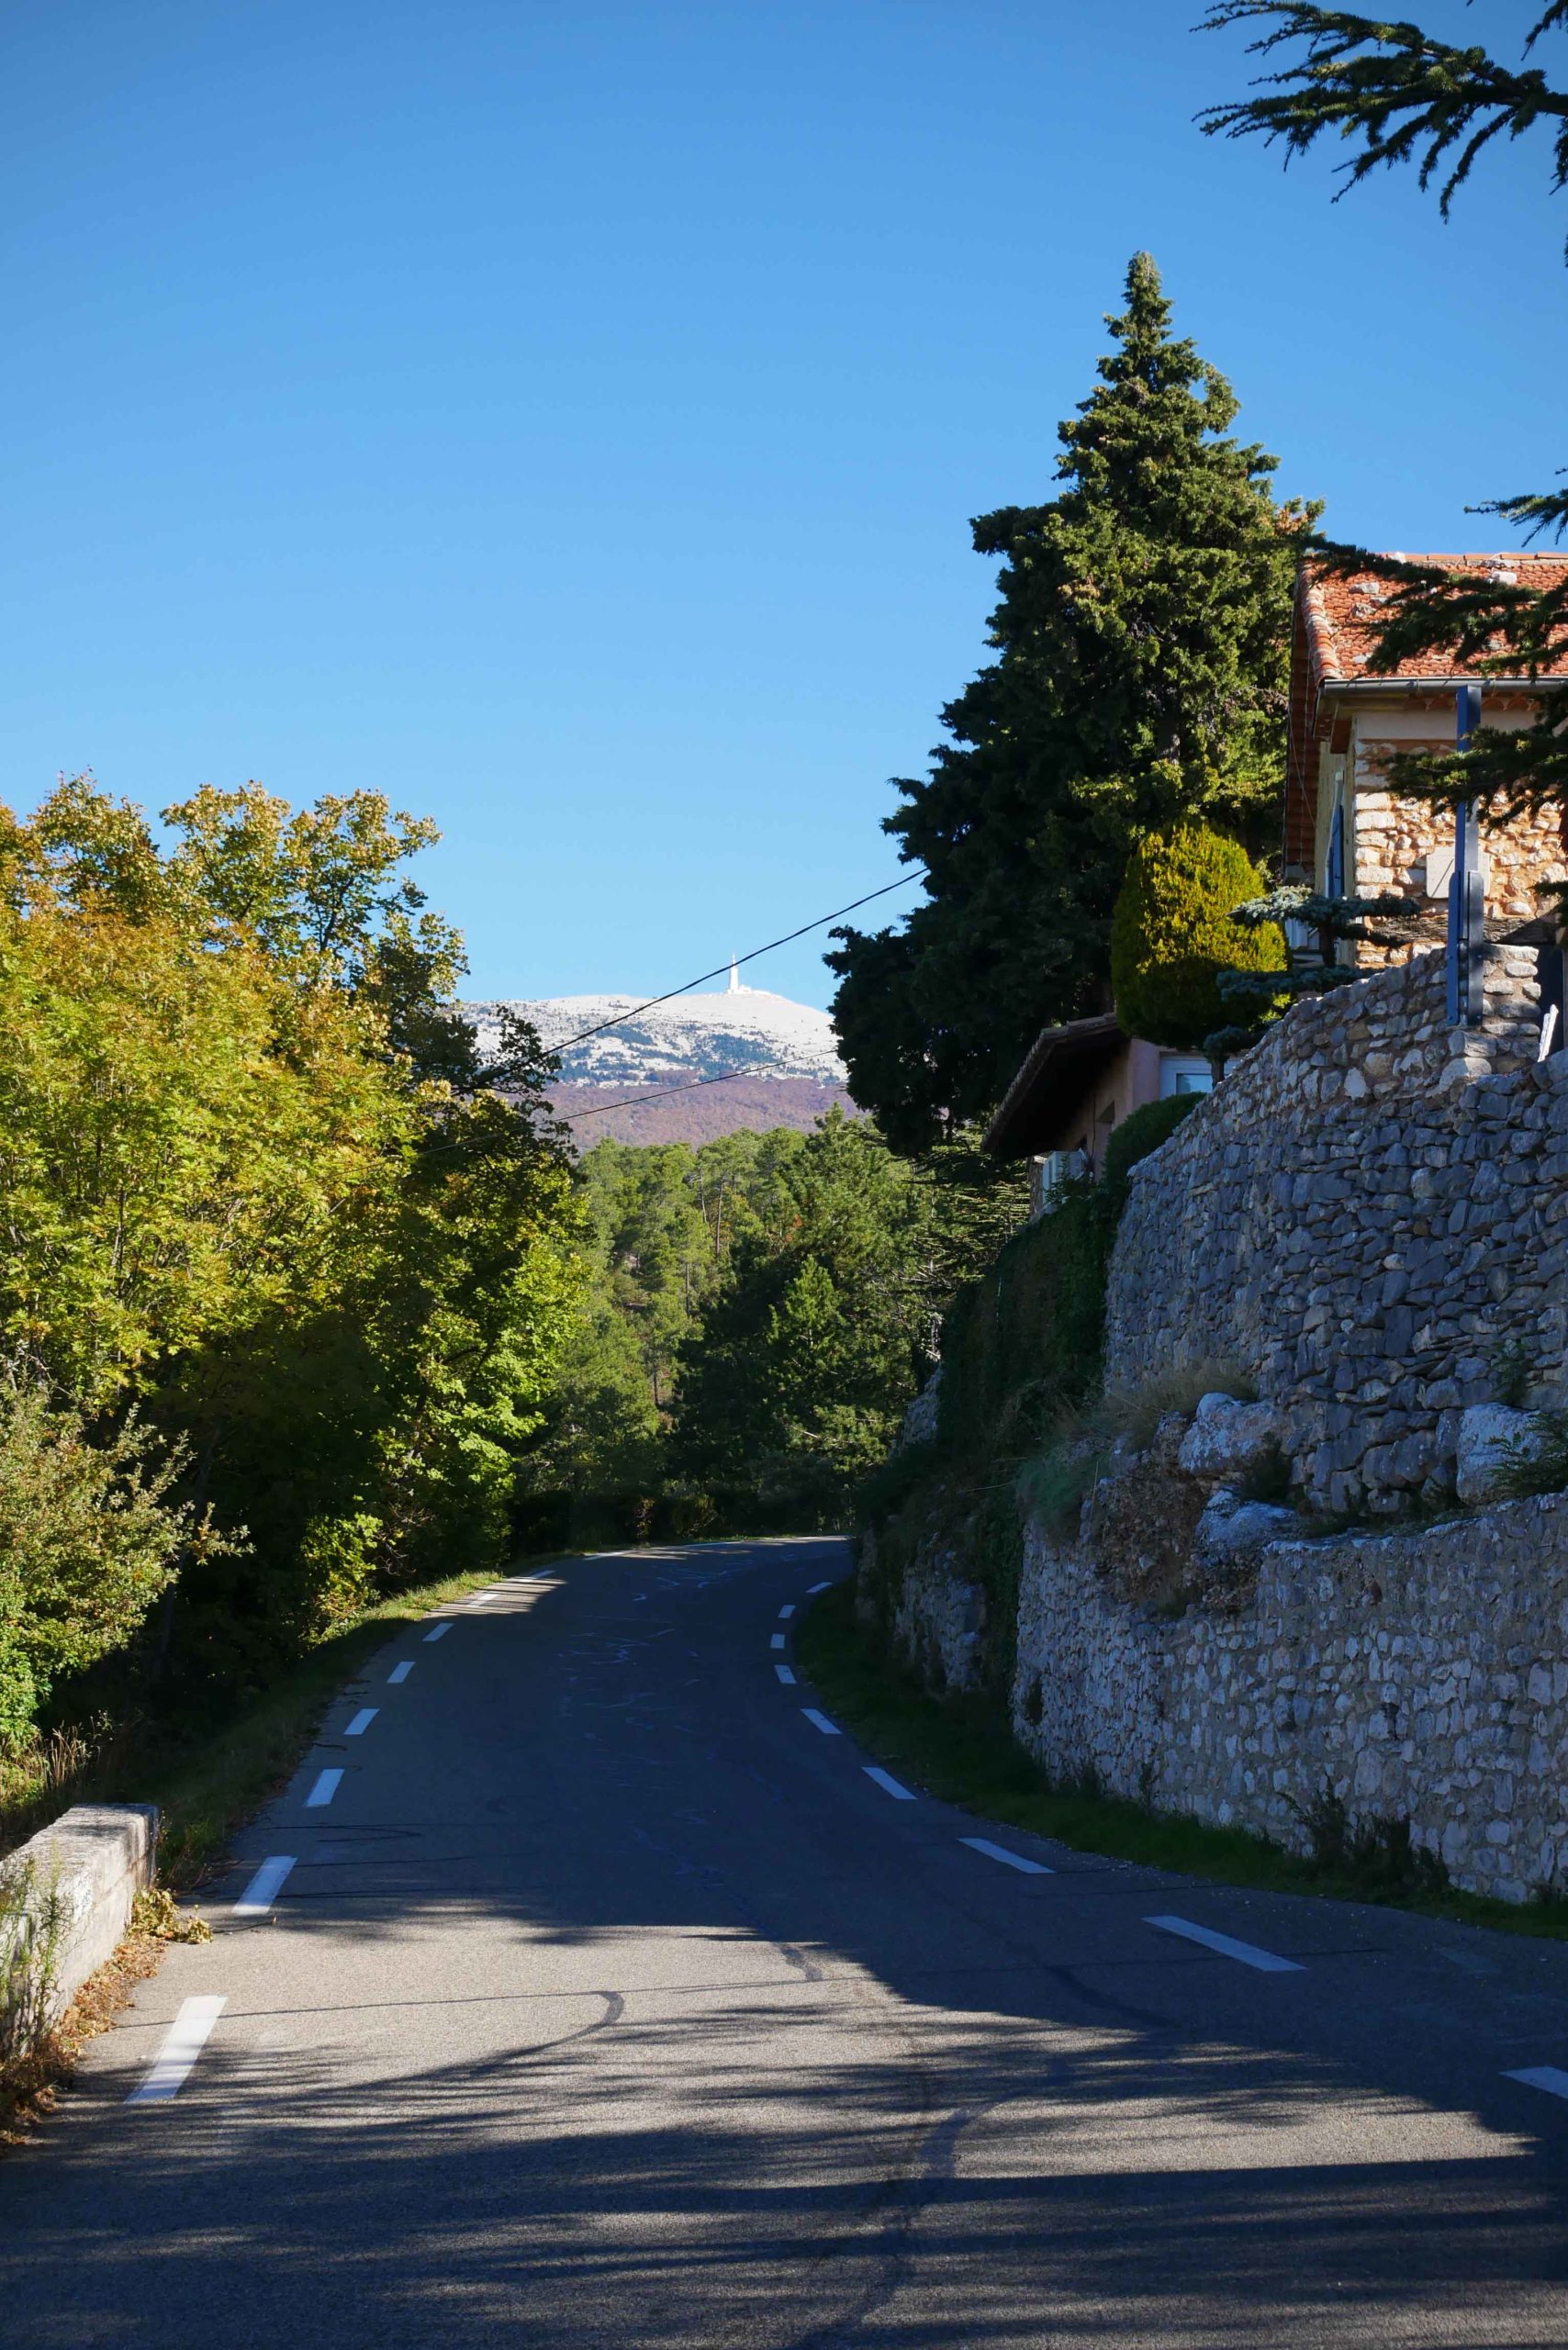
(745,1056)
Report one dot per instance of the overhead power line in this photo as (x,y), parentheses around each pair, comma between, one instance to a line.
(719,971)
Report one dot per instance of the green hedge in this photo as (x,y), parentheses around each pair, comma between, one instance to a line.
(1139,1135)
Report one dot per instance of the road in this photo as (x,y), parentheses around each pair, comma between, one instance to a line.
(610,1999)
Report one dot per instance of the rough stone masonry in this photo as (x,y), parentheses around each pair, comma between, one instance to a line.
(1366,1223)
(1416,1676)
(1420,1677)
(1368,1219)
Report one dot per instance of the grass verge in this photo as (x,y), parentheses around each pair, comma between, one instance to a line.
(203,1789)
(959,1750)
(206,1787)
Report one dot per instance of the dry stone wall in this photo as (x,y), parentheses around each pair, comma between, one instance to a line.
(1366,1225)
(1419,1676)
(1366,1217)
(939,1620)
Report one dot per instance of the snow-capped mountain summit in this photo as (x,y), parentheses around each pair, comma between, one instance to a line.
(692,1036)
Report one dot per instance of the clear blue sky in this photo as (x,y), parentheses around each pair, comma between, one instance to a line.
(566,419)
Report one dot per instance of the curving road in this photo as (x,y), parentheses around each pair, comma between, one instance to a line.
(608,1998)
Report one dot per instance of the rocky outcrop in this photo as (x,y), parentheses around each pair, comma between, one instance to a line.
(1494,1443)
(1231,1529)
(1229,1440)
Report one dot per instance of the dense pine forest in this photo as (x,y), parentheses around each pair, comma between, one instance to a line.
(760,1312)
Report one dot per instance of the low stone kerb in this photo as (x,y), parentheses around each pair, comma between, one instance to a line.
(65,1902)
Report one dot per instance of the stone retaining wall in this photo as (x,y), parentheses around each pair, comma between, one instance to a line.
(1363,1217)
(939,1618)
(1369,1220)
(1421,1676)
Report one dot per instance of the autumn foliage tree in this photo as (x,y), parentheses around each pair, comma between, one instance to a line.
(260,1208)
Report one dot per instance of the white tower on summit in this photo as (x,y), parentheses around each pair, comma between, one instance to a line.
(734,986)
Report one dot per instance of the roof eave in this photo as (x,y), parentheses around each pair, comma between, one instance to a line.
(1446,681)
(1067,1043)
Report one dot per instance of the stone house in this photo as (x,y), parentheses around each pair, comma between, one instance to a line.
(1344,831)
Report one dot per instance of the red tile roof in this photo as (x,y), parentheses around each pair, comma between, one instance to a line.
(1338,614)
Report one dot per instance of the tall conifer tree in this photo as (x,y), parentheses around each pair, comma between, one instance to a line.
(1139,679)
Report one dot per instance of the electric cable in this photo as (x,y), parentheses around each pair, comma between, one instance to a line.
(734,963)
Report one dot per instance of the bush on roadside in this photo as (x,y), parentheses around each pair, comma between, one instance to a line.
(89,1538)
(1142,1132)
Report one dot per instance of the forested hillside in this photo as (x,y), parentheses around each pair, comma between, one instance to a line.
(761,1310)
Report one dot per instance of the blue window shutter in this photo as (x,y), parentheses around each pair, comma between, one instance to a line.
(1334,879)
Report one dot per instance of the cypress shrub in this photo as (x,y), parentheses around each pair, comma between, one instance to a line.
(1172,934)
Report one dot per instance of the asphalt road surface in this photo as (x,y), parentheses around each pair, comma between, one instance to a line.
(586,1989)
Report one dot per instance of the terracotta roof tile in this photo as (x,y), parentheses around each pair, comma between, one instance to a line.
(1338,614)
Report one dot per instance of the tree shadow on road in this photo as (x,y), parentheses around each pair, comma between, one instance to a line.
(619,2016)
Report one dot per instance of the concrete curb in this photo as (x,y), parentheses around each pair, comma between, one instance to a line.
(65,1902)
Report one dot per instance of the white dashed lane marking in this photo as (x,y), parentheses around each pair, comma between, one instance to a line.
(816,1587)
(440,1632)
(821,1721)
(889,1784)
(325,1788)
(777,1641)
(1549,2077)
(1247,1953)
(265,1886)
(185,2039)
(784,1614)
(785,1675)
(400,1671)
(362,1721)
(1011,1860)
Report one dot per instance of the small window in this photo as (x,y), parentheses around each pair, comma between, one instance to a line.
(1334,876)
(1180,1073)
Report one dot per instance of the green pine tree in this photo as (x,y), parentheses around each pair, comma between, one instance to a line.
(1139,680)
(1255,998)
(796,1378)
